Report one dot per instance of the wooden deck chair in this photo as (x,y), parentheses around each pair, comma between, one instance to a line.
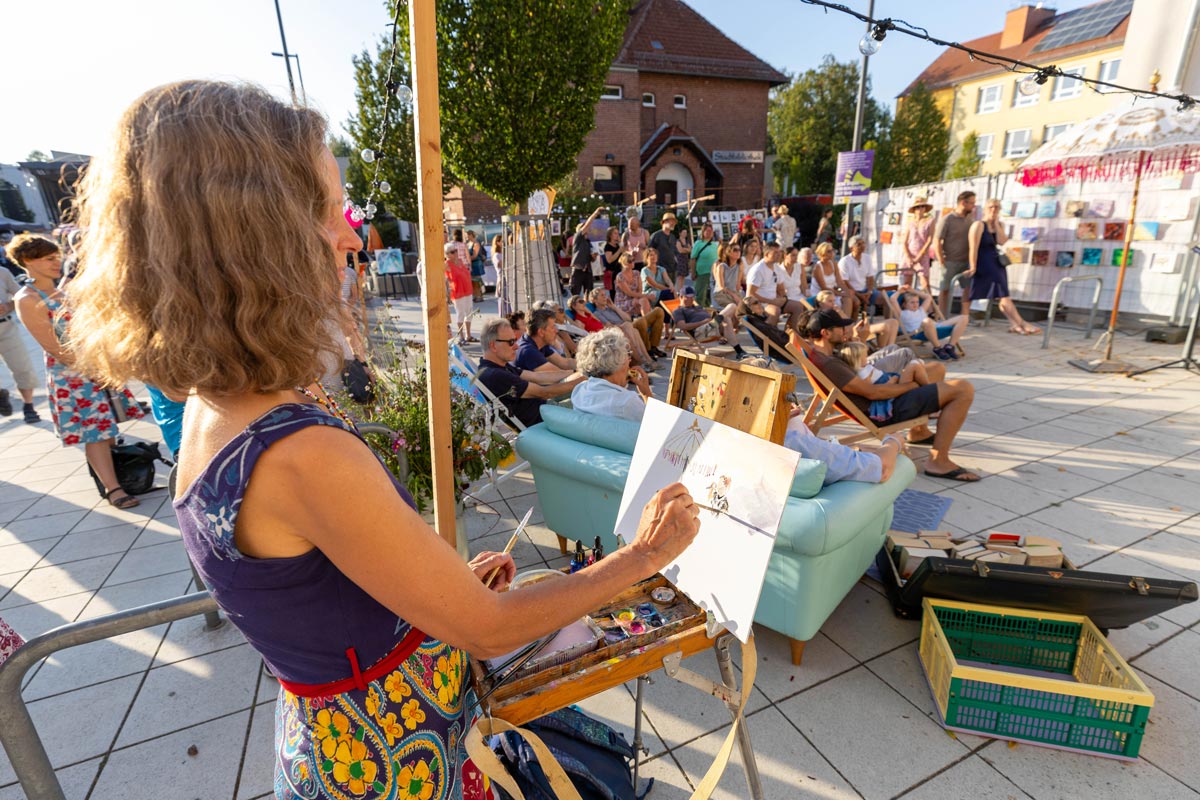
(913,340)
(464,376)
(830,404)
(669,307)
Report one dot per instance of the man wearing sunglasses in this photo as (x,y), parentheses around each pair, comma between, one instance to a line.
(523,392)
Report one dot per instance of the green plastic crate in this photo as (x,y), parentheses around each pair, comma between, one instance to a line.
(1099,706)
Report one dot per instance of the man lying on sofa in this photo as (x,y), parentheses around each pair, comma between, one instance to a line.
(604,358)
(521,391)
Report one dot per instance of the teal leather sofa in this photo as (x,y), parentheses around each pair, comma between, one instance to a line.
(828,536)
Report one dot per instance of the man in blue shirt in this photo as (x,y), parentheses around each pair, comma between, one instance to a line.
(534,352)
(521,391)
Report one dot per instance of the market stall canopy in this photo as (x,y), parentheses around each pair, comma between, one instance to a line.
(1110,146)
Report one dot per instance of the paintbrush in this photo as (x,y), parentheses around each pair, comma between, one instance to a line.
(491,576)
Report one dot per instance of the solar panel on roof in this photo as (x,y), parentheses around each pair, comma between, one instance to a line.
(1085,24)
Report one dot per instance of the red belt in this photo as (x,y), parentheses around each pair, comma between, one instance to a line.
(359,679)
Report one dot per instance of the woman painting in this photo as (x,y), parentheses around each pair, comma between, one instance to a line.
(917,242)
(366,616)
(989,279)
(80,408)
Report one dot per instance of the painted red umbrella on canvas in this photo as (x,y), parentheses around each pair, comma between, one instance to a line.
(1153,138)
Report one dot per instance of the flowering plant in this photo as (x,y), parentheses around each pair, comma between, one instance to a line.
(402,404)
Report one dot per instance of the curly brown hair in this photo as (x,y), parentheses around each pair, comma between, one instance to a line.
(29,246)
(204,264)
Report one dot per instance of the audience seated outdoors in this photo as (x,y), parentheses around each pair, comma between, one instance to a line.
(826,330)
(521,391)
(884,331)
(568,332)
(604,358)
(762,282)
(535,351)
(647,328)
(689,317)
(912,308)
(859,277)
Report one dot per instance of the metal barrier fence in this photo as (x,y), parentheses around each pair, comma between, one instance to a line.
(1087,332)
(25,750)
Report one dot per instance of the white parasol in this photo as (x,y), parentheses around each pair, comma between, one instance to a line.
(1155,138)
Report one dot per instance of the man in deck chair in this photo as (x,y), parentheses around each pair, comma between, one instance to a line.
(523,392)
(827,331)
(690,317)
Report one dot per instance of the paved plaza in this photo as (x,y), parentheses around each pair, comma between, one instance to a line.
(1109,465)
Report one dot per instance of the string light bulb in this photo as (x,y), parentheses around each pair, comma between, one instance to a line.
(404,94)
(1029,86)
(868,46)
(368,155)
(385,187)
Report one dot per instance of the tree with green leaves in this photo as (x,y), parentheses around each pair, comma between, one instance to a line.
(968,163)
(396,161)
(811,119)
(520,80)
(917,144)
(37,155)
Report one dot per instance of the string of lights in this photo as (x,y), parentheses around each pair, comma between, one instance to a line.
(375,155)
(1037,74)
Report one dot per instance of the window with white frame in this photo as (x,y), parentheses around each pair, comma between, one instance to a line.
(983,146)
(648,99)
(1016,143)
(989,99)
(612,93)
(1068,85)
(681,101)
(1052,132)
(1108,72)
(1020,100)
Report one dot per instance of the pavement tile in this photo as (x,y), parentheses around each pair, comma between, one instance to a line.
(106,516)
(147,562)
(75,780)
(1014,495)
(159,530)
(49,505)
(1175,553)
(1048,478)
(35,619)
(615,708)
(46,583)
(1173,662)
(31,530)
(12,509)
(788,764)
(983,779)
(972,514)
(1102,532)
(192,691)
(1170,740)
(525,554)
(258,763)
(1046,773)
(24,556)
(162,767)
(856,718)
(1171,492)
(1124,563)
(778,679)
(56,720)
(136,593)
(95,662)
(864,625)
(89,544)
(188,638)
(1139,637)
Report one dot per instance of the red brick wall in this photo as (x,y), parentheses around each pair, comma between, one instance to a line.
(617,131)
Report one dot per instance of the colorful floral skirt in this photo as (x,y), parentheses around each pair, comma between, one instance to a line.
(399,739)
(80,408)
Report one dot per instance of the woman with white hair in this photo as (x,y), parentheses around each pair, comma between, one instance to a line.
(604,358)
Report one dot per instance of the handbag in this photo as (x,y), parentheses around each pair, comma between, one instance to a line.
(357,380)
(134,464)
(1005,261)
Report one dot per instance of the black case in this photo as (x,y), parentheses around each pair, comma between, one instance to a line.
(1110,601)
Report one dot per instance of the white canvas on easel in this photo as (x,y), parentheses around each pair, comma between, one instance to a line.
(741,479)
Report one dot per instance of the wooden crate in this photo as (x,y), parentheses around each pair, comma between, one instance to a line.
(751,399)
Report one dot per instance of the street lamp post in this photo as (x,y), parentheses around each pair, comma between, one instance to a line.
(299,73)
(287,61)
(859,110)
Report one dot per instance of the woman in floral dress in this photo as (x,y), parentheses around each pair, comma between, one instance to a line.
(80,408)
(360,609)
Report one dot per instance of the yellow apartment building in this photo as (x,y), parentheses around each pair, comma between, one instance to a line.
(1010,122)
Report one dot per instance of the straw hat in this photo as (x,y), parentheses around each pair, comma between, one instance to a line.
(920,202)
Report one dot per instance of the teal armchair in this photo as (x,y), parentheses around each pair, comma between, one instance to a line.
(828,536)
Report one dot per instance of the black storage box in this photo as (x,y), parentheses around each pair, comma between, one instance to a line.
(1110,601)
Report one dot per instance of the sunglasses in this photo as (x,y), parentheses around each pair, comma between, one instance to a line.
(508,341)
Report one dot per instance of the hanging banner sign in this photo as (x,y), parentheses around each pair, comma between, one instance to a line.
(852,180)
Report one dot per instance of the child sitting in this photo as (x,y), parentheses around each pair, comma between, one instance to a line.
(855,354)
(912,308)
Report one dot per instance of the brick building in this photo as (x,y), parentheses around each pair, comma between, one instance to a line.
(684,107)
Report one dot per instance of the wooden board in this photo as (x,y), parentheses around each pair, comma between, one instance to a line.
(750,399)
(534,695)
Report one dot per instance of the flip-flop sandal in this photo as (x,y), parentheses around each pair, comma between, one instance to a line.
(955,475)
(121,503)
(1034,331)
(1016,330)
(927,440)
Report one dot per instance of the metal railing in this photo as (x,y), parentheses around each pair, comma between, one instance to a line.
(1087,332)
(25,750)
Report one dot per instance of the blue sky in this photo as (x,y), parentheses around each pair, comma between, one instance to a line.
(71,72)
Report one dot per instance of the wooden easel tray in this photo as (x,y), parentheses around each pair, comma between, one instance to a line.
(749,399)
(529,696)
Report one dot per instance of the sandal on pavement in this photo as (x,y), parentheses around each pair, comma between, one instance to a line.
(1015,329)
(959,475)
(1031,330)
(121,503)
(927,440)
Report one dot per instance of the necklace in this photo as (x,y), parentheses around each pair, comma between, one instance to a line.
(328,403)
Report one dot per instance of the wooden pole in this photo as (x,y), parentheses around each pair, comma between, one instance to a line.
(1129,226)
(426,118)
